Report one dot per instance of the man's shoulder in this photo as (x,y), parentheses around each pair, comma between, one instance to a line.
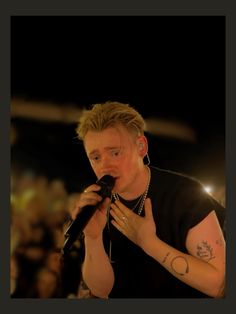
(171,176)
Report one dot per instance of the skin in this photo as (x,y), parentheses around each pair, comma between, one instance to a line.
(116,152)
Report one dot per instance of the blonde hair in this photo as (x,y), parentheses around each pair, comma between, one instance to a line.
(108,114)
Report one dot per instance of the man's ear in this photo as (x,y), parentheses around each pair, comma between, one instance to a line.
(142,146)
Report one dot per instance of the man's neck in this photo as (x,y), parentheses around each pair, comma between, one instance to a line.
(139,185)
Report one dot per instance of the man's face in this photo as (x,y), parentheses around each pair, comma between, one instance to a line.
(113,151)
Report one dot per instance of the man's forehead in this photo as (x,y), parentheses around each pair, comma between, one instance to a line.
(111,137)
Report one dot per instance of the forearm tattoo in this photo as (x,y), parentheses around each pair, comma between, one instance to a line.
(179,264)
(205,251)
(165,257)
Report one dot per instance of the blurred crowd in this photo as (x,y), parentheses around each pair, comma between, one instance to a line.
(40,212)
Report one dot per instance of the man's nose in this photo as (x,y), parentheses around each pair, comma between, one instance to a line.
(106,165)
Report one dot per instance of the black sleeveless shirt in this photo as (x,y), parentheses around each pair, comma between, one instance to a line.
(178,203)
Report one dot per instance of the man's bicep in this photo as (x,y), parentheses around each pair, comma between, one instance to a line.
(206,241)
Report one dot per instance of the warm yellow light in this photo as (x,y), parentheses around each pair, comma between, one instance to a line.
(208,189)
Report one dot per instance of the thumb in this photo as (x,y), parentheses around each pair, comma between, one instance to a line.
(148,208)
(103,207)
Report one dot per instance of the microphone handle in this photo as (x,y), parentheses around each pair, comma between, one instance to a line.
(77,226)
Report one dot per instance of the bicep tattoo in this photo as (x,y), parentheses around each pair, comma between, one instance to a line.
(205,251)
(220,242)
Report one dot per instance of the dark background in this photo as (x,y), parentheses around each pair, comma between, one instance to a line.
(165,66)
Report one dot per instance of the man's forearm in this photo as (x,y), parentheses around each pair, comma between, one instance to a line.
(197,273)
(97,270)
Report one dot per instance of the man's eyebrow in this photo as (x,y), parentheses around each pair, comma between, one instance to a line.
(95,151)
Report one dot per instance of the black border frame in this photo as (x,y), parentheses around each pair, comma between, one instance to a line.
(120,8)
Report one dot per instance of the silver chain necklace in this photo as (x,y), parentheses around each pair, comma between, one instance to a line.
(141,199)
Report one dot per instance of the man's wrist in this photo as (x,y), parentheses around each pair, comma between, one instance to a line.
(150,246)
(92,239)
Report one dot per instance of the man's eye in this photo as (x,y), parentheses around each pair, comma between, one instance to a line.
(95,158)
(115,152)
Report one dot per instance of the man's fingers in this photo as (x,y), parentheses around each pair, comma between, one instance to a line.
(106,203)
(92,188)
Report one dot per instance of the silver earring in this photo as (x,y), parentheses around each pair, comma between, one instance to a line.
(148,160)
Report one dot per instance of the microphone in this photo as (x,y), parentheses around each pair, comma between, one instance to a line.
(77,226)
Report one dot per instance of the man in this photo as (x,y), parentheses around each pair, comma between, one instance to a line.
(160,235)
